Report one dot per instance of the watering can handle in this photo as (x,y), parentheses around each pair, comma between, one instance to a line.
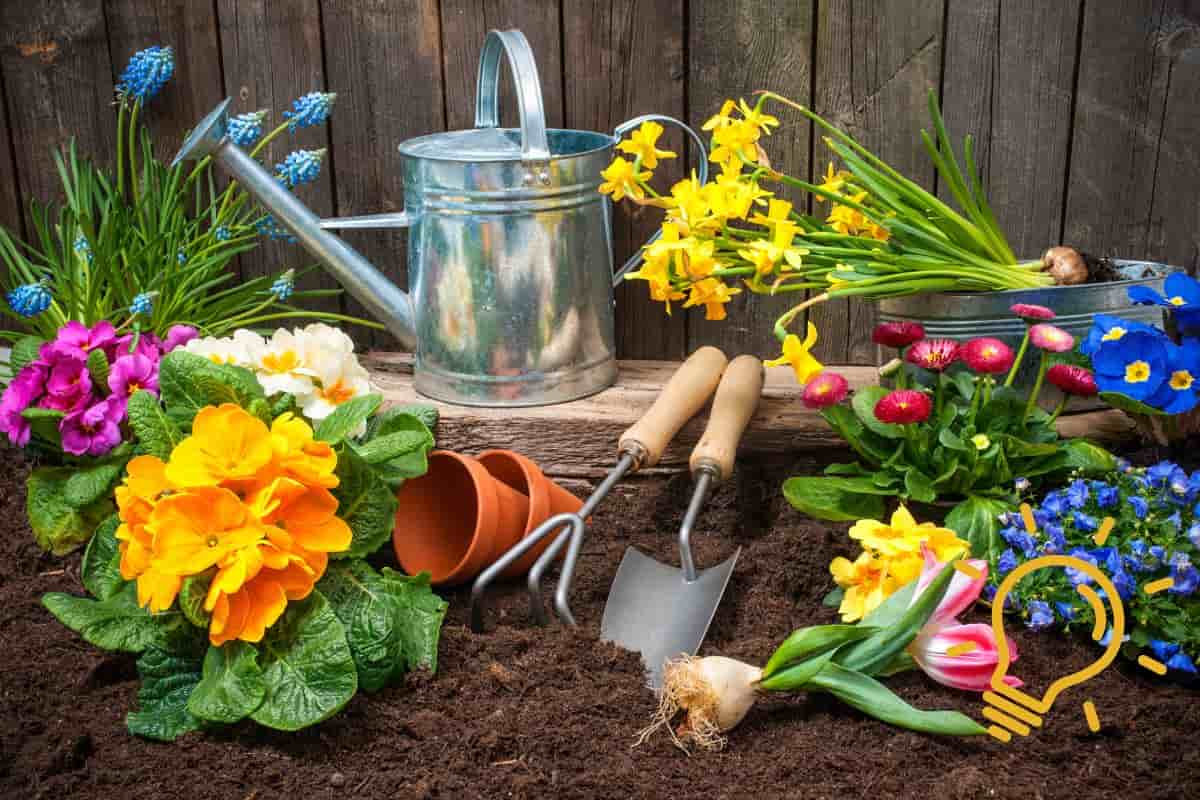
(702,176)
(535,148)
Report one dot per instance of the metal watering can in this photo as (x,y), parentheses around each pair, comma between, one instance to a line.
(510,255)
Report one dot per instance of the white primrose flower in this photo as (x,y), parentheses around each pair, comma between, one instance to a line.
(227,350)
(320,343)
(338,380)
(278,364)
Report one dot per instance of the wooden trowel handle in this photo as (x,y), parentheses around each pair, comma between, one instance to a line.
(685,393)
(736,399)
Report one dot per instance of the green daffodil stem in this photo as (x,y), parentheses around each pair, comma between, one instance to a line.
(1016,365)
(1037,387)
(795,311)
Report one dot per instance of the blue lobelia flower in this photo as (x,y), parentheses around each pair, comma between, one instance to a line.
(1163,650)
(1056,540)
(1106,328)
(1107,496)
(1007,562)
(1134,365)
(1077,494)
(1085,522)
(245,129)
(1177,393)
(1125,584)
(1193,535)
(1162,473)
(1181,662)
(1139,505)
(1065,610)
(311,109)
(1185,575)
(1182,297)
(147,72)
(300,167)
(1140,558)
(1040,615)
(30,300)
(1020,539)
(284,285)
(1021,484)
(1055,503)
(143,303)
(1078,576)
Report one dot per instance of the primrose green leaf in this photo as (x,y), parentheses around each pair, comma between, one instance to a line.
(837,499)
(396,445)
(116,623)
(232,687)
(192,595)
(875,700)
(852,470)
(347,418)
(168,680)
(918,486)
(421,621)
(807,642)
(365,502)
(24,351)
(1087,457)
(94,482)
(35,414)
(307,667)
(284,403)
(60,524)
(101,567)
(97,366)
(188,382)
(156,434)
(382,423)
(864,402)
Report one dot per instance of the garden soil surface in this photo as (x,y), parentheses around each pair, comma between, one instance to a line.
(527,712)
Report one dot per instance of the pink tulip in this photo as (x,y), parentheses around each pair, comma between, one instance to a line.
(964,590)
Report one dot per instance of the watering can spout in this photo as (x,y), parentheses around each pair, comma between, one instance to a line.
(362,280)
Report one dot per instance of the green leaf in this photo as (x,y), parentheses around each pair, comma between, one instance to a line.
(1123,402)
(875,700)
(192,595)
(1005,408)
(864,402)
(188,382)
(1087,457)
(156,434)
(382,423)
(918,486)
(347,418)
(60,524)
(948,439)
(33,414)
(24,351)
(365,502)
(400,443)
(115,623)
(307,667)
(977,521)
(88,484)
(232,687)
(101,567)
(807,642)
(965,383)
(168,679)
(833,598)
(97,365)
(284,403)
(837,499)
(852,470)
(392,621)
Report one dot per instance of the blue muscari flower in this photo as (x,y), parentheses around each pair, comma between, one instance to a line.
(1177,394)
(1055,503)
(1078,576)
(1139,505)
(300,167)
(143,303)
(1107,496)
(284,285)
(1085,522)
(83,249)
(1021,484)
(147,72)
(1077,494)
(1185,575)
(1020,539)
(222,233)
(1134,365)
(1007,562)
(267,226)
(1107,328)
(244,129)
(1040,615)
(181,256)
(311,109)
(1182,297)
(1065,610)
(1193,535)
(30,300)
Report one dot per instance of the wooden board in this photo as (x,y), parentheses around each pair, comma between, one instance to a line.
(11,202)
(622,68)
(579,439)
(733,53)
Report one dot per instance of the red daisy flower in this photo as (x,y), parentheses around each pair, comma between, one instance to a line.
(903,406)
(987,355)
(1028,311)
(933,354)
(897,334)
(1049,337)
(1072,379)
(827,389)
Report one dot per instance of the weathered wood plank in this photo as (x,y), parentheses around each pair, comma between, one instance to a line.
(621,67)
(11,203)
(58,86)
(190,29)
(272,54)
(579,439)
(736,48)
(875,64)
(387,68)
(1008,82)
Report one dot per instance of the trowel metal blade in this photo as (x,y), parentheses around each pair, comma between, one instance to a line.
(653,610)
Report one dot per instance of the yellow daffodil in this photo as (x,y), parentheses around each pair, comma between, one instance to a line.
(698,259)
(734,141)
(865,582)
(797,354)
(713,294)
(755,116)
(688,201)
(833,182)
(642,144)
(904,536)
(621,180)
(721,118)
(777,211)
(659,265)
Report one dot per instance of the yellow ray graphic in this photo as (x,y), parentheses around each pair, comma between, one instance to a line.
(1160,585)
(1027,515)
(1157,667)
(961,649)
(1093,719)
(1105,529)
(968,570)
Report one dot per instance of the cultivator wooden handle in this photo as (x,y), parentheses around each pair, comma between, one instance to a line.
(680,399)
(737,397)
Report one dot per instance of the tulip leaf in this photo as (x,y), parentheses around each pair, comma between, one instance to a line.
(864,402)
(307,667)
(837,499)
(116,623)
(232,686)
(365,502)
(807,642)
(59,521)
(347,418)
(875,700)
(100,570)
(156,434)
(188,382)
(976,520)
(168,680)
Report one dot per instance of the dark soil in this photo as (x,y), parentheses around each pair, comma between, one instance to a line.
(527,712)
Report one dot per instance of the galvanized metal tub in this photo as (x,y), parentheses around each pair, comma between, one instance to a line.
(966,315)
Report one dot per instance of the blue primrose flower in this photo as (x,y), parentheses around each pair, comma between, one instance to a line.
(1162,473)
(1107,496)
(311,109)
(1007,562)
(245,129)
(1182,297)
(1040,615)
(300,167)
(30,300)
(1177,393)
(284,285)
(1133,365)
(1107,328)
(1078,576)
(1125,584)
(147,72)
(1141,558)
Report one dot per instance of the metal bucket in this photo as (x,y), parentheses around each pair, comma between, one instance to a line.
(967,315)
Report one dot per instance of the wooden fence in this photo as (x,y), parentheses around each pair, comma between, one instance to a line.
(1086,113)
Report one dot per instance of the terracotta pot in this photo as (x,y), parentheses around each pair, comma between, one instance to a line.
(456,519)
(546,498)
